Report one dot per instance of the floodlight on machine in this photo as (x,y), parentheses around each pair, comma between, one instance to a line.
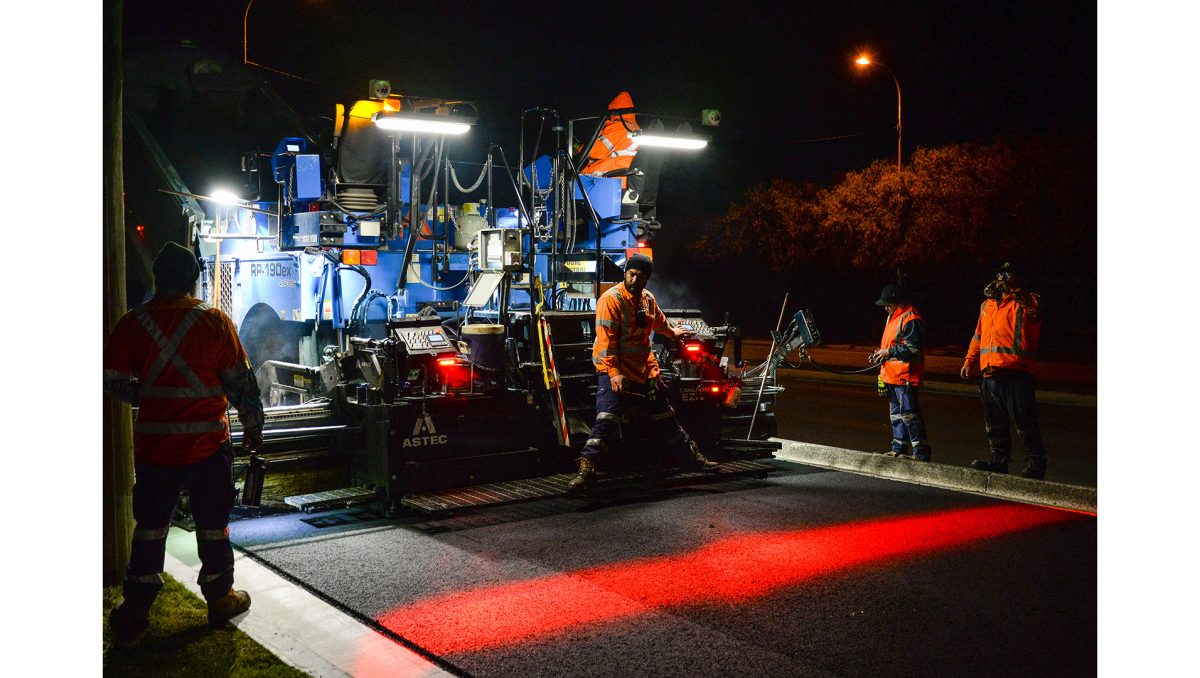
(684,141)
(416,122)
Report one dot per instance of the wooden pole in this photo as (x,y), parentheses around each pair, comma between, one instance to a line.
(118,423)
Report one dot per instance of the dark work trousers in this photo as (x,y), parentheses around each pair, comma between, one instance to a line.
(1009,398)
(908,426)
(211,495)
(645,405)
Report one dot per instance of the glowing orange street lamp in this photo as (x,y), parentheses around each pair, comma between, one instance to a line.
(864,61)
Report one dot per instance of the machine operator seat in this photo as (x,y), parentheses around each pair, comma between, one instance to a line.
(361,155)
(642,180)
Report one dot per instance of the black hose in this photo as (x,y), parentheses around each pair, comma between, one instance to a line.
(830,369)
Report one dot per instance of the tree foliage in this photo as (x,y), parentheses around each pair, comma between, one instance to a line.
(960,204)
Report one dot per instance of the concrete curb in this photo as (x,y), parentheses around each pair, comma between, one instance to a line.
(959,478)
(965,389)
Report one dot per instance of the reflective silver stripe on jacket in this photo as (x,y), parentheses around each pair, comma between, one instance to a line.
(212,535)
(604,322)
(169,347)
(144,578)
(178,428)
(150,533)
(211,577)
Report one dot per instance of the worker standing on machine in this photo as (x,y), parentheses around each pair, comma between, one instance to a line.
(902,372)
(180,362)
(628,372)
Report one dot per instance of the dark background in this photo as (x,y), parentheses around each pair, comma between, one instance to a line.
(792,104)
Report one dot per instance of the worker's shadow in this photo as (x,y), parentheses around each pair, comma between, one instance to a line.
(145,656)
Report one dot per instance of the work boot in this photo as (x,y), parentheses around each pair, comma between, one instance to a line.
(129,621)
(585,478)
(1034,471)
(227,607)
(698,461)
(995,465)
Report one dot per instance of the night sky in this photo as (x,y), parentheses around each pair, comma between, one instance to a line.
(792,103)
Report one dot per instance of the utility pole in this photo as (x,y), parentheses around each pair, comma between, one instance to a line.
(118,423)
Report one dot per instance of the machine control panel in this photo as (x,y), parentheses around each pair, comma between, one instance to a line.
(422,335)
(688,320)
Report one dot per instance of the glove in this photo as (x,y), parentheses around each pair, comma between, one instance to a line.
(993,290)
(252,440)
(652,390)
(881,388)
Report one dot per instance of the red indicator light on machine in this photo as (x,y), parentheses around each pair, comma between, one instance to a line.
(351,257)
(715,389)
(141,230)
(369,257)
(445,362)
(641,244)
(691,348)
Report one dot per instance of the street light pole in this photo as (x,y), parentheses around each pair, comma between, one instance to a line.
(246,33)
(866,61)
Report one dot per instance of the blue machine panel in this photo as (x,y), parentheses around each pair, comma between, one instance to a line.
(300,230)
(308,177)
(604,194)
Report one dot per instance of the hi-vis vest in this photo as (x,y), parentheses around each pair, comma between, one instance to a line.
(621,347)
(178,348)
(898,372)
(614,149)
(1007,333)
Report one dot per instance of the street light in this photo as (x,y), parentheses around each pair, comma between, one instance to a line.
(864,61)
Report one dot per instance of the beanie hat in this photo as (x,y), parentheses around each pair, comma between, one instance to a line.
(641,262)
(175,268)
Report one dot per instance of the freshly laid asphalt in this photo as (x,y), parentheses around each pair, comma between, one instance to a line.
(809,572)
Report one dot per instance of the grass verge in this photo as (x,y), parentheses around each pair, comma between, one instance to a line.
(180,642)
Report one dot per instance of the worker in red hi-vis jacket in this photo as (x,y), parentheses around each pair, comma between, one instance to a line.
(181,363)
(1004,347)
(628,373)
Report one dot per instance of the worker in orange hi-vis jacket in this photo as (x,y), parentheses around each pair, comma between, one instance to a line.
(614,148)
(902,372)
(1004,347)
(181,363)
(628,373)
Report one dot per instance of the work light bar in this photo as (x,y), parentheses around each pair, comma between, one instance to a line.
(428,124)
(690,142)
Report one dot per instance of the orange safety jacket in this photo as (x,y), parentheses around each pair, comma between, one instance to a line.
(180,351)
(902,337)
(621,347)
(1007,333)
(614,149)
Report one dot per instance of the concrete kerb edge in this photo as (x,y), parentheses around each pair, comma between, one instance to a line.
(958,478)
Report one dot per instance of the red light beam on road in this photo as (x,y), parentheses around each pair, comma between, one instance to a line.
(730,570)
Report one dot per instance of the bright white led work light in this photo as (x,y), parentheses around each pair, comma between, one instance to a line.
(428,124)
(690,142)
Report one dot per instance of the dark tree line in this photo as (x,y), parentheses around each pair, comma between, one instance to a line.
(1033,199)
(953,215)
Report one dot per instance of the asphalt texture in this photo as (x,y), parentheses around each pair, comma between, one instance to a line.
(809,572)
(852,416)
